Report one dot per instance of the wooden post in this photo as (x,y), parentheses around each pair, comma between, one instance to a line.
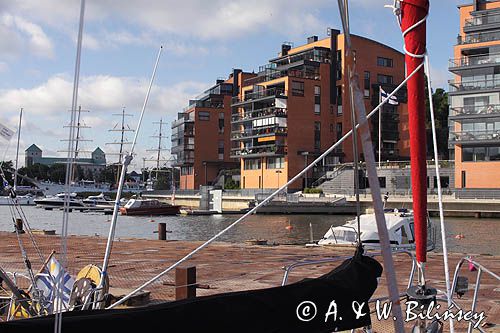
(19,226)
(162,231)
(185,282)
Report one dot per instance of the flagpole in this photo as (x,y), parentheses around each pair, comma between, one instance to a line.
(380,127)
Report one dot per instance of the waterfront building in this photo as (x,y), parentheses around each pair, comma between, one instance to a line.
(298,105)
(201,134)
(93,165)
(474,98)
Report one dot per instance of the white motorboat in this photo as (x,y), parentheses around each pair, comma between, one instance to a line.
(399,225)
(100,200)
(58,201)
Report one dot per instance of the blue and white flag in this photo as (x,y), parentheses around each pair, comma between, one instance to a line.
(47,281)
(6,132)
(393,100)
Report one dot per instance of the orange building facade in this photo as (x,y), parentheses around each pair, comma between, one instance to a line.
(201,135)
(474,97)
(297,106)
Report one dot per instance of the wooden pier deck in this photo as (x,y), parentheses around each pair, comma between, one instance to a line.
(224,267)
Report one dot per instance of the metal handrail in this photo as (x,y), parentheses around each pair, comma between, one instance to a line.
(480,269)
(483,59)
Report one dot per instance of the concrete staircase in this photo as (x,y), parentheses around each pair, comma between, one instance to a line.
(339,181)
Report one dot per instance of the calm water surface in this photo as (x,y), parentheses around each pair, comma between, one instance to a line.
(481,235)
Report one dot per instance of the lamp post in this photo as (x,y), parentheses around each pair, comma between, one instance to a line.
(305,154)
(278,173)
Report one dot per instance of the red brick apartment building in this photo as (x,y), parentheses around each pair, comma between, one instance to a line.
(475,98)
(297,106)
(201,134)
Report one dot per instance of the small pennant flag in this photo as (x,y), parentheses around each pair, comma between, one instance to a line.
(393,100)
(6,132)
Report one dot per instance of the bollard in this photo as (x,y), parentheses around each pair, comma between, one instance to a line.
(19,226)
(185,282)
(162,231)
(311,237)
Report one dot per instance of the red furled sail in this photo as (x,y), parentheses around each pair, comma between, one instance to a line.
(413,11)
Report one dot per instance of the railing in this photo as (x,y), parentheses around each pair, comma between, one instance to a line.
(259,132)
(480,37)
(276,92)
(482,20)
(475,60)
(187,118)
(257,150)
(184,160)
(205,104)
(271,111)
(456,86)
(457,137)
(182,134)
(272,74)
(475,110)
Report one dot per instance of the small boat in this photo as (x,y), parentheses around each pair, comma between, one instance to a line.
(149,207)
(58,201)
(399,225)
(100,200)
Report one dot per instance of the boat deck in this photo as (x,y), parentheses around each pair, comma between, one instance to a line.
(224,267)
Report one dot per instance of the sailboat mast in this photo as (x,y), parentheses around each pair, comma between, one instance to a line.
(159,150)
(17,148)
(413,14)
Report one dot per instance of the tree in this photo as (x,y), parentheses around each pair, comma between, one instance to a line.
(8,169)
(441,112)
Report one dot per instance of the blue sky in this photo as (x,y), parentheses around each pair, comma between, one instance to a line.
(203,41)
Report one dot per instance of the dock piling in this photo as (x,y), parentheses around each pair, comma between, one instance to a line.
(19,226)
(162,231)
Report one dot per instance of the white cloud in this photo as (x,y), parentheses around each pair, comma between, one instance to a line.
(215,19)
(28,32)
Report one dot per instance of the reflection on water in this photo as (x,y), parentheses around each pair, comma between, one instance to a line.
(480,234)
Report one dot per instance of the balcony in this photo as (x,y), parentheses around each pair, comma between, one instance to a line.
(474,86)
(259,113)
(258,151)
(183,118)
(479,37)
(476,61)
(471,137)
(181,147)
(258,132)
(182,134)
(214,104)
(272,74)
(474,112)
(482,22)
(259,95)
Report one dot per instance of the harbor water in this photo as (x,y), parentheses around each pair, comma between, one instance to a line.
(480,236)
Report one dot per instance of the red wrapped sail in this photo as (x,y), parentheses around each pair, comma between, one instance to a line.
(413,11)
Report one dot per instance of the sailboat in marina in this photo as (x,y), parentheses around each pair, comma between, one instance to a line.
(276,309)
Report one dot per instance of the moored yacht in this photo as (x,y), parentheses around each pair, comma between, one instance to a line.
(140,206)
(399,225)
(100,200)
(58,201)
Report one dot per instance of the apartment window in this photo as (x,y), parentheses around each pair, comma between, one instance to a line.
(251,164)
(221,122)
(186,170)
(317,135)
(339,65)
(445,181)
(464,178)
(275,163)
(384,79)
(204,115)
(317,99)
(220,150)
(478,154)
(367,85)
(384,62)
(339,100)
(297,88)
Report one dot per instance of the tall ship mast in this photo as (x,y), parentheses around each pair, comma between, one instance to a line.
(121,127)
(159,148)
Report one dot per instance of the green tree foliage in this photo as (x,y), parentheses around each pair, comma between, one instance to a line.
(441,111)
(8,169)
